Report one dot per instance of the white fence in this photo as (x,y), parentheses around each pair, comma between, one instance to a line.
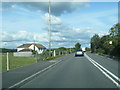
(23,54)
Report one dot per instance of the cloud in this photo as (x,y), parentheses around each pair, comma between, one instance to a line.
(66,38)
(73,35)
(56,23)
(62,32)
(23,36)
(54,19)
(5,36)
(13,6)
(57,8)
(10,44)
(14,39)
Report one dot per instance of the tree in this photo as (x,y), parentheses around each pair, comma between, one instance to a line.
(77,46)
(112,31)
(115,38)
(95,42)
(102,45)
(115,30)
(87,49)
(61,49)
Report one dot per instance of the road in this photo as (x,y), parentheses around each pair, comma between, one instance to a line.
(89,71)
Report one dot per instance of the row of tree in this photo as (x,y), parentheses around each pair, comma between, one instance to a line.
(4,50)
(107,44)
(60,49)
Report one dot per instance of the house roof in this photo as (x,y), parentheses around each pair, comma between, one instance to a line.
(39,46)
(24,46)
(28,45)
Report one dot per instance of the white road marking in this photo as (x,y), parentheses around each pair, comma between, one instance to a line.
(33,75)
(52,61)
(104,70)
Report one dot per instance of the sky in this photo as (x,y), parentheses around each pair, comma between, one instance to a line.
(71,22)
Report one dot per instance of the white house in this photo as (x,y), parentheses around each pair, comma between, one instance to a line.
(30,47)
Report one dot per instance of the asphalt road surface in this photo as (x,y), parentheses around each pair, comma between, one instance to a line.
(89,71)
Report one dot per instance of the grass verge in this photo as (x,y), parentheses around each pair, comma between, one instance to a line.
(113,57)
(16,62)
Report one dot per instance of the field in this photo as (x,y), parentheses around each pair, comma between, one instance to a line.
(16,62)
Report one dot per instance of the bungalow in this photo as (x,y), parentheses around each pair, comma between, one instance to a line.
(30,47)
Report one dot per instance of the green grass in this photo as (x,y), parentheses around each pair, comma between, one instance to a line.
(114,57)
(16,62)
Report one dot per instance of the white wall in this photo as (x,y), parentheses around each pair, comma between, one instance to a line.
(23,54)
(18,49)
(40,51)
(32,47)
(36,49)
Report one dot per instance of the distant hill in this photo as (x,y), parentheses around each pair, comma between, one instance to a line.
(4,50)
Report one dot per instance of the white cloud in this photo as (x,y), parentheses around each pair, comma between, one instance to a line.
(23,36)
(59,39)
(5,36)
(10,44)
(54,19)
(13,6)
(57,33)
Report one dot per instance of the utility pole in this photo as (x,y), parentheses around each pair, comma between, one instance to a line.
(70,45)
(34,45)
(49,28)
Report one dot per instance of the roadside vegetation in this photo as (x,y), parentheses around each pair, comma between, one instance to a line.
(4,50)
(61,51)
(16,62)
(108,45)
(55,53)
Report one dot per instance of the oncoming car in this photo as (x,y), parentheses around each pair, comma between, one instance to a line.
(79,53)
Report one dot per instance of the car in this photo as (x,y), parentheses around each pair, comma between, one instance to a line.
(79,53)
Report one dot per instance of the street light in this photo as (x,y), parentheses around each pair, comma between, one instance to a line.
(110,42)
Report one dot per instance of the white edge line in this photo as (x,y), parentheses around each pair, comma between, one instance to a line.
(96,65)
(33,75)
(105,69)
(107,75)
(108,71)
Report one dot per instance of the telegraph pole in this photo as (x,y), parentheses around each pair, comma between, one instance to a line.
(49,28)
(34,44)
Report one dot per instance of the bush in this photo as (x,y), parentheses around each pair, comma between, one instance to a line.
(100,50)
